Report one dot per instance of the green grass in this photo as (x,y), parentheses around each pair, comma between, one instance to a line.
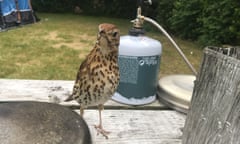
(54,48)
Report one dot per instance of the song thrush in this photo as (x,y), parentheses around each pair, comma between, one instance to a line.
(98,75)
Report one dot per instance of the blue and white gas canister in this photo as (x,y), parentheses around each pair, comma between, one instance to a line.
(139,61)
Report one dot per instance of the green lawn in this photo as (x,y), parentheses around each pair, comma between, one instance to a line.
(54,48)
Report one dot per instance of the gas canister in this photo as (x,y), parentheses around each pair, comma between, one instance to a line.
(139,61)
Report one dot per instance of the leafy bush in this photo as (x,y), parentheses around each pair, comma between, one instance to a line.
(221,22)
(165,12)
(185,18)
(53,5)
(116,8)
(209,22)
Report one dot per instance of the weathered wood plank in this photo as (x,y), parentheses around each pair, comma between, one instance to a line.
(52,91)
(137,126)
(126,126)
(51,123)
(215,110)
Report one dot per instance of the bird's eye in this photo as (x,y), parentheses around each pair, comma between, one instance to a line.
(102,32)
(115,34)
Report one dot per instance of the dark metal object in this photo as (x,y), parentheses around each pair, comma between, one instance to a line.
(41,123)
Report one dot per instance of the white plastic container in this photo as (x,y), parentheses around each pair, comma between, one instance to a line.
(139,61)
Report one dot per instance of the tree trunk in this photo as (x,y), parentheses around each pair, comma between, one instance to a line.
(214,115)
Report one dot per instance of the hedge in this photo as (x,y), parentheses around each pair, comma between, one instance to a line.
(206,21)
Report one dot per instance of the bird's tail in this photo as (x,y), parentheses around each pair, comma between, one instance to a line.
(69,98)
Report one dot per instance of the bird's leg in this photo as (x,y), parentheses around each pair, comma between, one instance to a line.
(81,111)
(99,127)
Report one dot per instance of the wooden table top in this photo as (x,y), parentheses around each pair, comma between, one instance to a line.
(154,123)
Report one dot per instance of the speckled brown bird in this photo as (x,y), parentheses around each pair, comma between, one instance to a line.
(98,75)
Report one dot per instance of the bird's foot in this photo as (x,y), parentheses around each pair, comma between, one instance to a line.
(100,130)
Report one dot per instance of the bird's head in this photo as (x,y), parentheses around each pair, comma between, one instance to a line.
(108,37)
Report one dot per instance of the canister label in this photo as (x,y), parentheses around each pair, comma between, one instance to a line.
(128,67)
(138,75)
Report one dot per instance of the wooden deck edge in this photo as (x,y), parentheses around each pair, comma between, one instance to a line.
(55,91)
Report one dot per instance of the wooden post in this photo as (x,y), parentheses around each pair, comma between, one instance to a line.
(214,115)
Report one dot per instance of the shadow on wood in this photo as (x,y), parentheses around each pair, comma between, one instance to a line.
(41,123)
(215,107)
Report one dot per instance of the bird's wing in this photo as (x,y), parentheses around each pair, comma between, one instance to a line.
(82,71)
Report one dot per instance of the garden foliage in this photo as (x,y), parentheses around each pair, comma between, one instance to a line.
(116,8)
(206,21)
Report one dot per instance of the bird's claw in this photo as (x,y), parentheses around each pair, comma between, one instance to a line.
(100,130)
